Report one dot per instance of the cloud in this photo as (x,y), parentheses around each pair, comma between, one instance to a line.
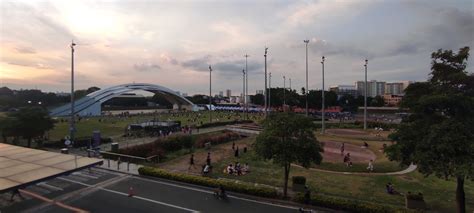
(197,64)
(146,67)
(25,50)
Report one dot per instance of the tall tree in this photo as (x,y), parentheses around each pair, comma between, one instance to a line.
(288,138)
(438,135)
(28,122)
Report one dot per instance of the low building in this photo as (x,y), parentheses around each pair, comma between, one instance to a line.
(342,90)
(392,100)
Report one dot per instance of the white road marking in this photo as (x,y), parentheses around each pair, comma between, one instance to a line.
(84,175)
(49,186)
(125,194)
(210,192)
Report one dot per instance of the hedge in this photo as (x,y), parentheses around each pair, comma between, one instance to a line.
(299,180)
(223,123)
(348,205)
(261,191)
(78,142)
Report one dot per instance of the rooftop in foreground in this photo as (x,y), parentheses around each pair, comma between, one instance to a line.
(20,166)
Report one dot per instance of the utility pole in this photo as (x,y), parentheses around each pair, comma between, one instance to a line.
(270,90)
(365,96)
(284,92)
(290,84)
(266,92)
(72,127)
(243,90)
(323,104)
(246,86)
(306,91)
(210,94)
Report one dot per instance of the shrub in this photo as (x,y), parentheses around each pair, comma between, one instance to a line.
(211,182)
(413,196)
(78,142)
(299,180)
(223,123)
(348,205)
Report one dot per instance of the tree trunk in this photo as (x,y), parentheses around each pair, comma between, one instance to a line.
(287,172)
(460,195)
(29,142)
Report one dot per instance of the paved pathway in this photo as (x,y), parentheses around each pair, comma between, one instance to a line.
(410,168)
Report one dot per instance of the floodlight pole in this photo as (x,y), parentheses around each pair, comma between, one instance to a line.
(365,96)
(306,91)
(266,92)
(323,104)
(270,90)
(72,127)
(210,94)
(284,92)
(246,85)
(243,90)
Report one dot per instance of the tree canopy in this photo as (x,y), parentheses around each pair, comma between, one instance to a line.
(438,135)
(288,138)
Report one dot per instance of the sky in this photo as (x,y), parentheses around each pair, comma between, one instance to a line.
(172,43)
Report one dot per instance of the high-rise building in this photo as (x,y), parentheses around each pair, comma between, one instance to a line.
(228,93)
(394,88)
(374,88)
(259,92)
(342,90)
(221,94)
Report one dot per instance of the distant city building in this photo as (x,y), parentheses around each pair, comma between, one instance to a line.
(259,92)
(395,88)
(228,93)
(342,90)
(221,94)
(374,88)
(235,99)
(392,100)
(63,94)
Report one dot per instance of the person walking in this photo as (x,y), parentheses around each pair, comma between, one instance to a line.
(342,149)
(236,154)
(191,162)
(208,159)
(370,167)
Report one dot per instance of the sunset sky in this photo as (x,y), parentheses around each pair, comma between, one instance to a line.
(172,43)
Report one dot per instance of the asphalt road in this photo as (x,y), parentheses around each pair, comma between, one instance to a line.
(108,192)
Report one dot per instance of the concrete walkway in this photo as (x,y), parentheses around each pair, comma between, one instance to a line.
(410,168)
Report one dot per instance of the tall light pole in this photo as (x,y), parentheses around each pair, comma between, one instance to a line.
(270,90)
(266,92)
(306,93)
(323,105)
(72,127)
(365,96)
(210,94)
(243,90)
(246,86)
(284,91)
(290,84)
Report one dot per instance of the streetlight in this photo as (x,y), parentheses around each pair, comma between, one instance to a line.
(210,94)
(365,95)
(246,86)
(243,89)
(323,105)
(72,127)
(290,84)
(266,96)
(306,94)
(284,95)
(270,91)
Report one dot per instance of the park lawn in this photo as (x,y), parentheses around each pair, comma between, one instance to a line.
(115,126)
(439,194)
(381,164)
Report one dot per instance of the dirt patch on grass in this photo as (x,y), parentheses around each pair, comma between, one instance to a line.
(332,152)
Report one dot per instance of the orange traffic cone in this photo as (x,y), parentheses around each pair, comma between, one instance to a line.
(131,193)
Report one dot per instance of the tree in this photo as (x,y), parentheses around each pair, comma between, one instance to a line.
(438,135)
(92,89)
(28,122)
(377,101)
(288,138)
(257,99)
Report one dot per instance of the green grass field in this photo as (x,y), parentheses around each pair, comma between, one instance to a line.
(115,126)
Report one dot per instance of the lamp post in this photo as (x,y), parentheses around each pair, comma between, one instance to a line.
(323,105)
(365,96)
(72,127)
(306,93)
(290,84)
(284,95)
(210,94)
(270,91)
(243,90)
(246,87)
(266,92)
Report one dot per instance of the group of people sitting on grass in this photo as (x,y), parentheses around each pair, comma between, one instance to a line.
(237,169)
(391,190)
